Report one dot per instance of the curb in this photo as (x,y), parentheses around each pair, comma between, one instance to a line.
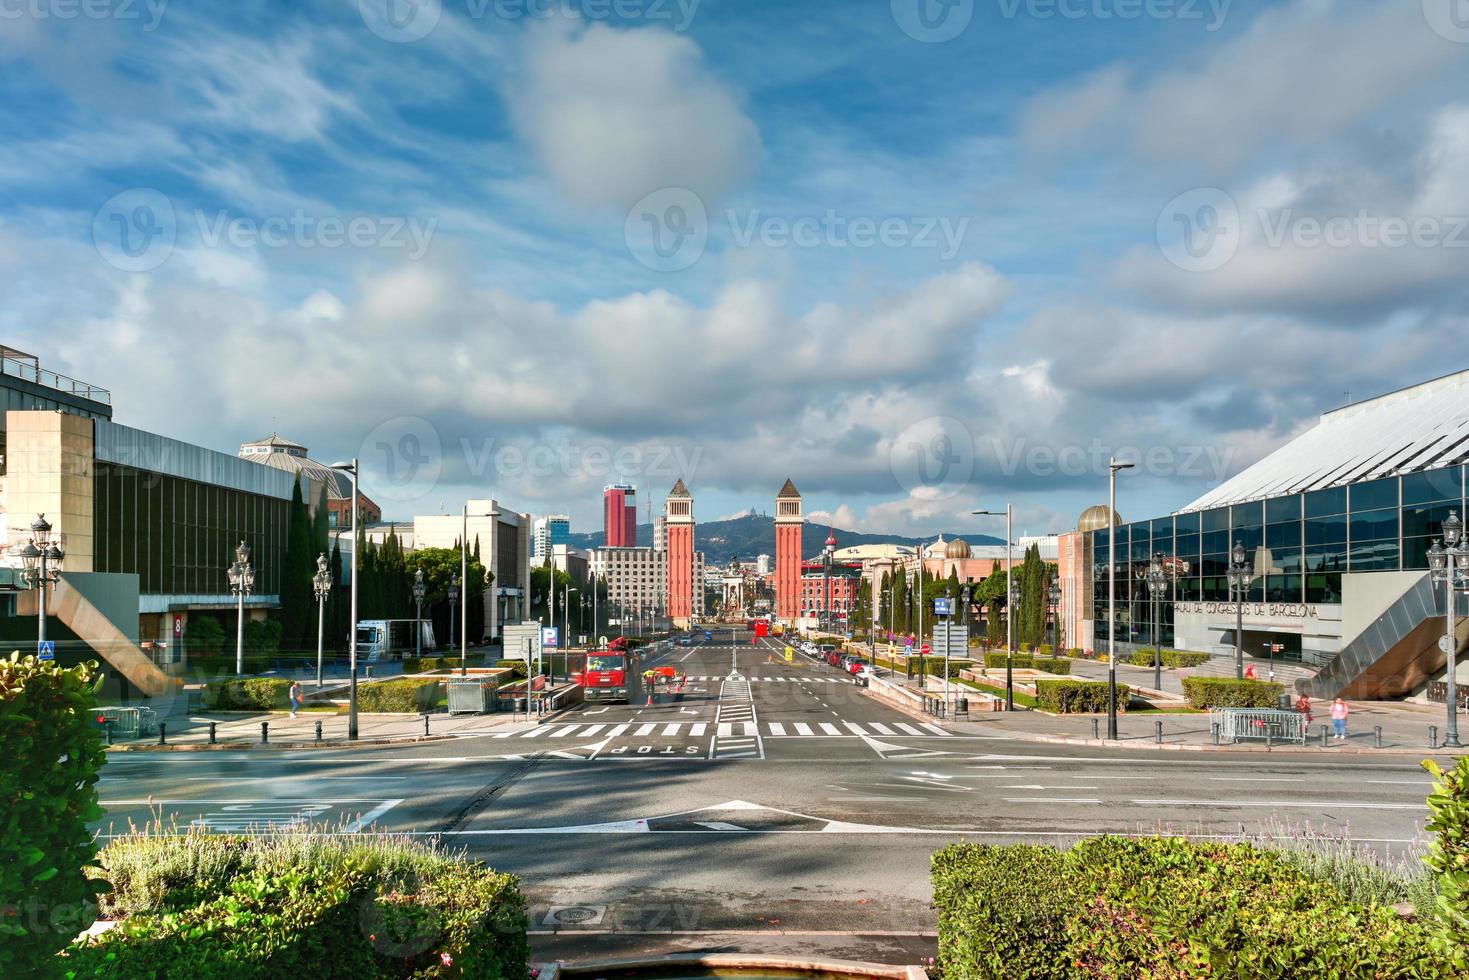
(737,961)
(1226,747)
(280,746)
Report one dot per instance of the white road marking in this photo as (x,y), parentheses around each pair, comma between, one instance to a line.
(592,730)
(907,728)
(725,730)
(776,728)
(828,728)
(881,729)
(698,730)
(644,730)
(618,731)
(368,818)
(803,729)
(671,729)
(565,731)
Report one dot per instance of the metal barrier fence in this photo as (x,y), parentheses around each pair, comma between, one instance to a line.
(128,722)
(1267,724)
(470,696)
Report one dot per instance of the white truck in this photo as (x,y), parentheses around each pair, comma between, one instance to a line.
(391,639)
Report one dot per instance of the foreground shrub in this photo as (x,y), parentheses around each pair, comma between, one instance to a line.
(48,792)
(1020,661)
(1052,665)
(518,666)
(423,665)
(303,905)
(1227,692)
(406,696)
(1162,907)
(247,694)
(1078,697)
(1448,857)
(1169,658)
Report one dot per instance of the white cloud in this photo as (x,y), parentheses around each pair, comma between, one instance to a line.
(614,115)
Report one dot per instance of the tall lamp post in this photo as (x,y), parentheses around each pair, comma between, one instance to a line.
(420,589)
(1009,513)
(42,558)
(1449,566)
(1241,573)
(1157,581)
(352,468)
(321,583)
(1054,595)
(1113,466)
(565,644)
(453,614)
(242,581)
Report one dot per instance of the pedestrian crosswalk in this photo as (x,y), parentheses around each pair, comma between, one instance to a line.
(733,730)
(775,680)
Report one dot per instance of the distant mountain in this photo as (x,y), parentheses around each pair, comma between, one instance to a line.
(754,534)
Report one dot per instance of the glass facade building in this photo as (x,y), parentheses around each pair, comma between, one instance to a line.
(1300,546)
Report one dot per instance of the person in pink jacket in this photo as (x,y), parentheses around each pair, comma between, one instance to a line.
(1339,712)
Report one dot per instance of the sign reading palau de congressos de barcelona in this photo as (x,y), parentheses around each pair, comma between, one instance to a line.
(1258,610)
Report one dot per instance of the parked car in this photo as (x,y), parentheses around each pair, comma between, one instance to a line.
(855,665)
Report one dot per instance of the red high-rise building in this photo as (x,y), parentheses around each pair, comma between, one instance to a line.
(620,515)
(678,510)
(788,522)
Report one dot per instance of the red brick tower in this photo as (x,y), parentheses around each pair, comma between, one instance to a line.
(678,510)
(788,522)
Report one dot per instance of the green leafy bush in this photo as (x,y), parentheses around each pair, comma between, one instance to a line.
(1227,692)
(1448,857)
(1020,661)
(398,697)
(1052,665)
(48,792)
(1076,653)
(204,636)
(1045,650)
(1078,697)
(247,694)
(1161,907)
(1169,658)
(423,665)
(516,665)
(303,905)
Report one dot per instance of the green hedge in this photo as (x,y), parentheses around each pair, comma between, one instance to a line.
(247,694)
(208,907)
(423,665)
(1162,907)
(408,696)
(48,791)
(1078,697)
(1052,665)
(1028,661)
(516,665)
(1226,692)
(1448,857)
(1169,658)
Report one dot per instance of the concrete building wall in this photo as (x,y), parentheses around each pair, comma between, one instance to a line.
(49,471)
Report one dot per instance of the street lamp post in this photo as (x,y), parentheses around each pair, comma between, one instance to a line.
(42,558)
(1113,466)
(454,612)
(1241,573)
(321,582)
(1449,565)
(1009,513)
(352,468)
(420,589)
(1054,595)
(242,580)
(565,627)
(1157,581)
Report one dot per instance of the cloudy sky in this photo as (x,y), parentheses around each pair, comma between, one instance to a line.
(921,256)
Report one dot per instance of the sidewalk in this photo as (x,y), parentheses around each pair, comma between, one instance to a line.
(237,729)
(1404,729)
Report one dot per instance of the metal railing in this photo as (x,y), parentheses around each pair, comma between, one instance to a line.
(28,370)
(1269,725)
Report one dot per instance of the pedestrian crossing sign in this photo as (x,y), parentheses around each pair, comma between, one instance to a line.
(46,650)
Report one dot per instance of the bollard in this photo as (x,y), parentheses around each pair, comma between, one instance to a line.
(1325,734)
(318,729)
(1270,736)
(1214,732)
(369,671)
(213,740)
(1096,730)
(1377,735)
(1159,725)
(425,726)
(162,733)
(1433,736)
(264,732)
(107,727)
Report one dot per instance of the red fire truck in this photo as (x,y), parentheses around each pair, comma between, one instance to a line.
(605,676)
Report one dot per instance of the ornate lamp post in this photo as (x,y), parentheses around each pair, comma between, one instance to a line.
(42,559)
(1113,466)
(420,589)
(1054,597)
(322,583)
(1449,565)
(1012,606)
(242,581)
(453,609)
(1157,581)
(1241,573)
(1009,513)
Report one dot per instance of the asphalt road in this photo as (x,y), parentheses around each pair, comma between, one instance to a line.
(773,798)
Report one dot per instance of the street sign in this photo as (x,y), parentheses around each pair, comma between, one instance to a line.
(943,606)
(46,650)
(548,637)
(951,640)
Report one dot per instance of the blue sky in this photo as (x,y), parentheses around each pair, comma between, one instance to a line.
(918,264)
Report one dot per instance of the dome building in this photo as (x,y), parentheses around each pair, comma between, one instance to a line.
(280,453)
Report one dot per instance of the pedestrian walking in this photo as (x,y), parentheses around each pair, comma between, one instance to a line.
(295,697)
(1251,673)
(1339,712)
